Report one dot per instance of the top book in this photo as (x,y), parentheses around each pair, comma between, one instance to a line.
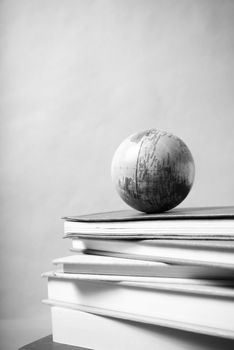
(194,223)
(178,213)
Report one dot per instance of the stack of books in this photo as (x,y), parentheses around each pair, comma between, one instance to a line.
(146,281)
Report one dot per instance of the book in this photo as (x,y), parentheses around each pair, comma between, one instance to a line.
(187,252)
(94,264)
(106,265)
(190,223)
(224,212)
(142,279)
(207,307)
(77,328)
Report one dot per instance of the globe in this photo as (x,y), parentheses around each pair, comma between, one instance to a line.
(153,171)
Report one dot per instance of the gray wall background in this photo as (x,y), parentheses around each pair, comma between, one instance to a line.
(77,77)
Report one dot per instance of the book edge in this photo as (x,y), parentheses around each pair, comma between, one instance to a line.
(143,319)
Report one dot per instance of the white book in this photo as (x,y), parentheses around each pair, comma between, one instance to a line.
(207,229)
(73,327)
(208,307)
(206,253)
(95,264)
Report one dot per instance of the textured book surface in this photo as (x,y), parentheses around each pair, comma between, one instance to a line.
(178,213)
(105,333)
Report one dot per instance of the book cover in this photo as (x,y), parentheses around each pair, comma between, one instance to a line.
(224,212)
(220,280)
(72,326)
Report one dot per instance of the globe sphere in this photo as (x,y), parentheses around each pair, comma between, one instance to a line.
(153,171)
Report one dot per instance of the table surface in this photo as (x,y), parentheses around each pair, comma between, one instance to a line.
(46,343)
